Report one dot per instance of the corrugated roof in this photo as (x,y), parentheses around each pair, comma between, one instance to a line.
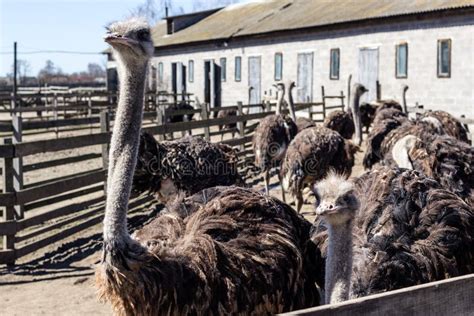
(278,15)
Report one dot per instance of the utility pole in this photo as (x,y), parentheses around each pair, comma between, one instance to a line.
(15,72)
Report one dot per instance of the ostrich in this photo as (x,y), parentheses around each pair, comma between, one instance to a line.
(186,165)
(301,122)
(183,105)
(450,124)
(368,111)
(272,137)
(389,229)
(442,157)
(311,155)
(348,122)
(232,112)
(225,250)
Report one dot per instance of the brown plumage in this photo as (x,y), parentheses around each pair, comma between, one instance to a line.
(340,122)
(303,123)
(189,165)
(228,250)
(311,155)
(451,125)
(385,121)
(180,117)
(446,159)
(367,115)
(271,139)
(236,252)
(225,114)
(407,231)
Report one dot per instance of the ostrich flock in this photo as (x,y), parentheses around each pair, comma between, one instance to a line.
(219,247)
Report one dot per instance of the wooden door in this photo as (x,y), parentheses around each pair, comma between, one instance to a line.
(255,78)
(369,72)
(305,77)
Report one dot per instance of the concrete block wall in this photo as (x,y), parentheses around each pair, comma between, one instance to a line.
(454,94)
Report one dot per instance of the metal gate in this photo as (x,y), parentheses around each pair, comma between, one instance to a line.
(369,72)
(305,77)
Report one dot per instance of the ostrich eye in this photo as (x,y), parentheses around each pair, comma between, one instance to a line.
(143,35)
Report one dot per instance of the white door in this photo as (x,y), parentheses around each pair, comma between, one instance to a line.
(369,72)
(305,77)
(255,81)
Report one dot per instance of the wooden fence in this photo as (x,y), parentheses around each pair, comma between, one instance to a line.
(39,213)
(447,297)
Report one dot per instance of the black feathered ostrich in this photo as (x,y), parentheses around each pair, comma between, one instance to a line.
(225,250)
(389,229)
(348,121)
(187,165)
(315,151)
(272,137)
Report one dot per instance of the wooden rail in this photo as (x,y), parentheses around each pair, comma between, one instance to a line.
(447,297)
(25,230)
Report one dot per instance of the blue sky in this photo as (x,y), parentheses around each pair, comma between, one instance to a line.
(70,25)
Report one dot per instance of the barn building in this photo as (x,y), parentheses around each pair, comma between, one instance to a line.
(217,55)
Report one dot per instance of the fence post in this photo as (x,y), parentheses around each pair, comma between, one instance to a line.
(17,124)
(323,94)
(89,104)
(205,116)
(268,106)
(161,119)
(379,90)
(55,113)
(342,100)
(9,210)
(241,124)
(105,128)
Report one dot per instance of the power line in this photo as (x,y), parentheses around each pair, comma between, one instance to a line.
(52,52)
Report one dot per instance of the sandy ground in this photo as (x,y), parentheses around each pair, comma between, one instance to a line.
(59,279)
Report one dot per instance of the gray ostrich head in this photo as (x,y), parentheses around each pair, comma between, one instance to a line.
(130,40)
(335,199)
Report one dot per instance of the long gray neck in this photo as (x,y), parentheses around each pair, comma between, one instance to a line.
(281,96)
(291,104)
(338,263)
(355,109)
(123,150)
(404,100)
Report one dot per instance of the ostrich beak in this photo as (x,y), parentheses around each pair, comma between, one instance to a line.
(119,39)
(327,209)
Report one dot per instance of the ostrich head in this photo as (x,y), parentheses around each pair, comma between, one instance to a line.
(335,199)
(359,89)
(130,40)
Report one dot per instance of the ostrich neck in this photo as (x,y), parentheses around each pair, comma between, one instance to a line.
(123,150)
(281,96)
(404,101)
(291,105)
(355,109)
(339,263)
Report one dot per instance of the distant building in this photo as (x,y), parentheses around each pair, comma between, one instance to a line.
(218,54)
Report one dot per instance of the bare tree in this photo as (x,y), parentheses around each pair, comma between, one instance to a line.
(201,5)
(154,10)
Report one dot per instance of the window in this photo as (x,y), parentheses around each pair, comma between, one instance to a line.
(444,58)
(278,66)
(401,61)
(238,68)
(160,73)
(223,69)
(191,70)
(334,64)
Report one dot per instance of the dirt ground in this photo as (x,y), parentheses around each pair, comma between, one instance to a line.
(59,279)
